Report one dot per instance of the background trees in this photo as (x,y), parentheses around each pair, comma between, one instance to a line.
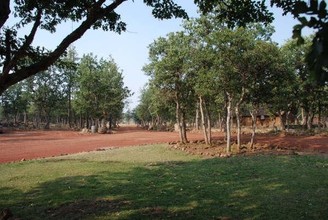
(212,68)
(100,91)
(94,87)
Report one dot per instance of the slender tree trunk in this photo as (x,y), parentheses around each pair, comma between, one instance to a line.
(69,111)
(47,125)
(238,127)
(87,120)
(319,115)
(110,121)
(178,121)
(228,122)
(209,130)
(310,119)
(81,121)
(207,141)
(287,120)
(282,120)
(184,128)
(220,122)
(197,116)
(237,112)
(305,116)
(25,118)
(253,113)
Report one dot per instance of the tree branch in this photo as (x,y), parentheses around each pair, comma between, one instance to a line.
(23,49)
(95,13)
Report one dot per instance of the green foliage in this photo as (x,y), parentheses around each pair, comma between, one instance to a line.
(31,15)
(17,35)
(154,182)
(237,12)
(13,102)
(94,88)
(312,14)
(100,91)
(307,94)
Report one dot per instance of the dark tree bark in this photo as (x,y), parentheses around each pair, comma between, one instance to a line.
(4,11)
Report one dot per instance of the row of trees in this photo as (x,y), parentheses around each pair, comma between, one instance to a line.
(20,22)
(210,71)
(74,93)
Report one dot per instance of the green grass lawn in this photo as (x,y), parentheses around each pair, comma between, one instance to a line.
(156,182)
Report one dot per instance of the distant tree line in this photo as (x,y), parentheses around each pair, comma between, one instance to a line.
(73,93)
(210,74)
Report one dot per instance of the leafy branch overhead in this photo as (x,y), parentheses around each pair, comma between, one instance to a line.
(312,14)
(19,59)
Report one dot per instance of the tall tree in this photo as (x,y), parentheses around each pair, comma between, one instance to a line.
(70,75)
(167,69)
(268,71)
(201,65)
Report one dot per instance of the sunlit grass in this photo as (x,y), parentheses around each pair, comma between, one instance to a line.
(156,182)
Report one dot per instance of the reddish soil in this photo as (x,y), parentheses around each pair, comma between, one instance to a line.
(26,145)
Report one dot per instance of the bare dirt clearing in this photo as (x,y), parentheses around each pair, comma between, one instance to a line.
(26,145)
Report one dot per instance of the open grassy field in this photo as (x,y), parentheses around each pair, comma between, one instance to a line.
(157,182)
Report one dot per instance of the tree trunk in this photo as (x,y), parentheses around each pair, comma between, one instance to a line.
(319,115)
(209,130)
(304,118)
(238,127)
(310,120)
(206,138)
(253,114)
(69,110)
(180,122)
(287,120)
(197,116)
(282,120)
(81,121)
(25,118)
(183,128)
(47,125)
(237,112)
(228,122)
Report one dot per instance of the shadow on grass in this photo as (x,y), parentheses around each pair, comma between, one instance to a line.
(237,188)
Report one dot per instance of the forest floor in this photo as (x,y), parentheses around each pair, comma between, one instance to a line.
(27,145)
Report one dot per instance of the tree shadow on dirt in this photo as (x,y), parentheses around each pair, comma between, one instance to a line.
(201,189)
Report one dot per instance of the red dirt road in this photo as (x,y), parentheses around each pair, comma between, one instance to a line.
(16,146)
(26,145)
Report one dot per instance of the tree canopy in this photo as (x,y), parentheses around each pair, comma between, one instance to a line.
(48,15)
(19,59)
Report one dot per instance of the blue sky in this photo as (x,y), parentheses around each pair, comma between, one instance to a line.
(130,49)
